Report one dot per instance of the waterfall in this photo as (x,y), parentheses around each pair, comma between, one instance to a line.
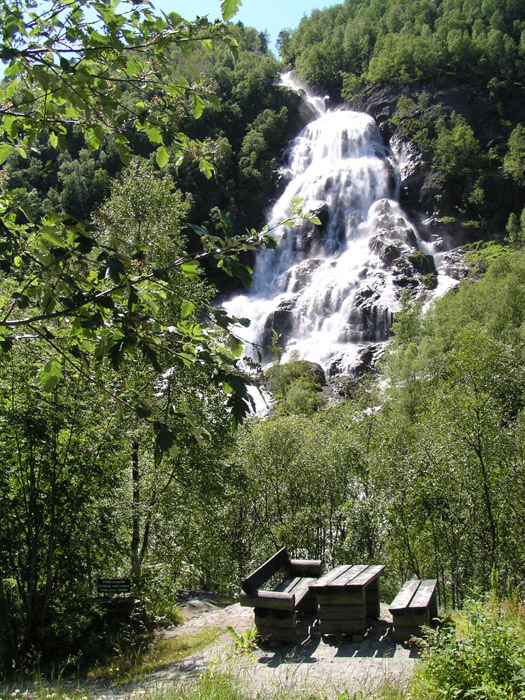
(329,290)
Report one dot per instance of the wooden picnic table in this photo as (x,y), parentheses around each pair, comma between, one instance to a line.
(346,597)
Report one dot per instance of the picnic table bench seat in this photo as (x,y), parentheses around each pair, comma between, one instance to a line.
(276,611)
(413,606)
(346,597)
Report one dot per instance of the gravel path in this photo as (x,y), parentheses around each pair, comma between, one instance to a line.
(324,666)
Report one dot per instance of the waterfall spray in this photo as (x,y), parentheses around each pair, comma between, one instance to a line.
(329,290)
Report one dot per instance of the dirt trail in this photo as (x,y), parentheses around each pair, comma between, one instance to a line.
(325,666)
(330,665)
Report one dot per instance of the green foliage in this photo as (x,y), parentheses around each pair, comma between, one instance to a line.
(92,62)
(243,643)
(448,146)
(405,42)
(514,162)
(516,229)
(481,657)
(457,152)
(416,123)
(132,664)
(60,478)
(88,298)
(295,386)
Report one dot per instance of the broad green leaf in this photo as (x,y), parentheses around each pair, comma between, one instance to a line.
(206,167)
(11,126)
(236,346)
(143,411)
(162,156)
(229,8)
(198,106)
(123,151)
(5,150)
(174,18)
(50,374)
(154,136)
(190,270)
(164,436)
(53,237)
(187,309)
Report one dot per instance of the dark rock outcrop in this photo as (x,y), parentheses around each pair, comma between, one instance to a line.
(423,193)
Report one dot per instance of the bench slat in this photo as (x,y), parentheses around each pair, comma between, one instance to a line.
(269,599)
(301,589)
(265,571)
(405,595)
(423,595)
(288,584)
(366,576)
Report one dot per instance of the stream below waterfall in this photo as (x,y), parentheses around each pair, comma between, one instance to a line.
(329,291)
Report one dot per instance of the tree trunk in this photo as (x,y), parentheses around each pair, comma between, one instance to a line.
(135,513)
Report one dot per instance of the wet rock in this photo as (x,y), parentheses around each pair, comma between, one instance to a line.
(281,321)
(454,264)
(322,212)
(367,322)
(364,295)
(384,249)
(303,273)
(422,263)
(392,240)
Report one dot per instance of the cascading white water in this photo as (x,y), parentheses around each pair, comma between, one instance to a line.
(329,291)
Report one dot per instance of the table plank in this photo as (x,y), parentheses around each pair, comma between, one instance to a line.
(366,576)
(330,576)
(348,577)
(301,589)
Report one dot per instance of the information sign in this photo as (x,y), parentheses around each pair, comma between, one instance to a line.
(114,585)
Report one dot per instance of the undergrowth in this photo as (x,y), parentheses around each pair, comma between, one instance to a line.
(124,668)
(480,656)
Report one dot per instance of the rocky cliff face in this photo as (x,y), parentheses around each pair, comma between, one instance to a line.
(431,202)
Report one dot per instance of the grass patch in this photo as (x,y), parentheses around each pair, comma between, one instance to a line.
(125,668)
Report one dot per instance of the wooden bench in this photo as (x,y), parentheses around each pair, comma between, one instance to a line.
(346,597)
(276,611)
(413,606)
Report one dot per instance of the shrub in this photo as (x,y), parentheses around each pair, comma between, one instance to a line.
(481,657)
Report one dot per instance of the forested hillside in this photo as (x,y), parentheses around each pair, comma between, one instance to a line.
(245,132)
(120,380)
(445,78)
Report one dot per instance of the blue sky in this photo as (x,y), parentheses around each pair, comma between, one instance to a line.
(272,15)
